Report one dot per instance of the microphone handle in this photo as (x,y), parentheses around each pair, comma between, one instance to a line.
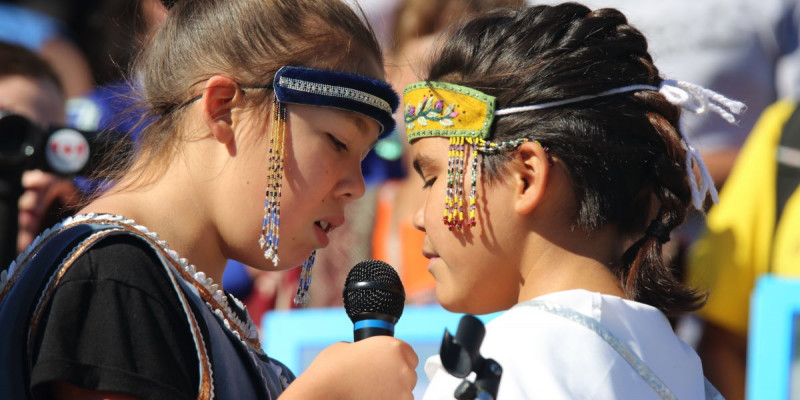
(373,324)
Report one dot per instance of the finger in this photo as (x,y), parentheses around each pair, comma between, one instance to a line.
(413,358)
(28,200)
(36,178)
(407,352)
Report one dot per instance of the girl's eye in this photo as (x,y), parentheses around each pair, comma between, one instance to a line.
(429,183)
(337,143)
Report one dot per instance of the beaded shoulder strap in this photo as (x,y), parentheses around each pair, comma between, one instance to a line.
(622,349)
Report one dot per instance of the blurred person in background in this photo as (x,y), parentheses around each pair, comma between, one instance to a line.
(754,230)
(30,87)
(50,39)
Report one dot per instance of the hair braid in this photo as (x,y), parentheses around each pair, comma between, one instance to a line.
(647,277)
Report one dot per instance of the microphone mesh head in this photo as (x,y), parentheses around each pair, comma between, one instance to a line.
(373,286)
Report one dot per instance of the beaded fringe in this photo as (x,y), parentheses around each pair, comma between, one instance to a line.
(270,225)
(460,213)
(301,297)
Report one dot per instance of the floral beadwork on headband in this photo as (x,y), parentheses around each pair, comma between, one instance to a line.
(424,113)
(444,109)
(465,116)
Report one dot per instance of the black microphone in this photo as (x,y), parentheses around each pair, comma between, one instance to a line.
(56,149)
(373,298)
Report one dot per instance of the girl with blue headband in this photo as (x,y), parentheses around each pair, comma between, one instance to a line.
(554,171)
(259,115)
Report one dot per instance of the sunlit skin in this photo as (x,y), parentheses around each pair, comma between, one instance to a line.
(209,203)
(522,246)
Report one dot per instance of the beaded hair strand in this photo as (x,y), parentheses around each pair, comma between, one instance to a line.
(270,225)
(460,213)
(301,296)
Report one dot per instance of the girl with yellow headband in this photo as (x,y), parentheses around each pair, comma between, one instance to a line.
(554,171)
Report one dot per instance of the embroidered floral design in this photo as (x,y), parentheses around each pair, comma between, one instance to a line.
(429,111)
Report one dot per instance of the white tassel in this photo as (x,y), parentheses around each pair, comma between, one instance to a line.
(699,100)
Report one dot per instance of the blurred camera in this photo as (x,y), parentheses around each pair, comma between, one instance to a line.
(56,149)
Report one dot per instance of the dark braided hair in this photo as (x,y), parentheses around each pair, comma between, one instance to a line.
(622,152)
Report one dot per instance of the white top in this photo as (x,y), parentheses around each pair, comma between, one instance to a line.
(546,355)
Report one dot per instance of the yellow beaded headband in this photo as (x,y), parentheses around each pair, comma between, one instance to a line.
(444,109)
(465,115)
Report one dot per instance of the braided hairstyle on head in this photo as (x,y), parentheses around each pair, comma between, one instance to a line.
(622,152)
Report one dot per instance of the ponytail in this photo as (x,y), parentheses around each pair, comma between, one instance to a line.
(647,277)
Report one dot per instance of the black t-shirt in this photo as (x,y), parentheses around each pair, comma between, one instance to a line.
(116,324)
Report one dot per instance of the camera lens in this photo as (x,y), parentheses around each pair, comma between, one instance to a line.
(15,144)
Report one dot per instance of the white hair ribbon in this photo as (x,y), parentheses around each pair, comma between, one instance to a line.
(688,96)
(698,100)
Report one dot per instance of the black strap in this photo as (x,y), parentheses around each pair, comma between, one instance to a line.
(788,173)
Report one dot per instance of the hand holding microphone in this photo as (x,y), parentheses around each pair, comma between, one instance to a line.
(376,365)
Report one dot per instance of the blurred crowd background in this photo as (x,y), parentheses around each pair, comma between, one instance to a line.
(65,63)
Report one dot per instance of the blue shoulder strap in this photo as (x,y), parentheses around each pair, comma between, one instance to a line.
(19,295)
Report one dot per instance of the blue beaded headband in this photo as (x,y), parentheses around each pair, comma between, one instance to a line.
(370,97)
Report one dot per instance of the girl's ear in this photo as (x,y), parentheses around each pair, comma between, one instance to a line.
(531,168)
(219,98)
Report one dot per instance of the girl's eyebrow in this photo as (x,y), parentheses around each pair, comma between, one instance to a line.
(360,123)
(421,162)
(357,120)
